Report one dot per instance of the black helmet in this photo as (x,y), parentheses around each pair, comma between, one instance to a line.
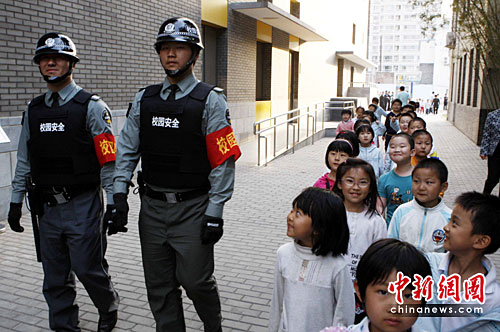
(179,29)
(55,43)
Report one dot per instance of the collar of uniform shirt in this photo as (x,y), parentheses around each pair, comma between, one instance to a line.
(183,85)
(63,93)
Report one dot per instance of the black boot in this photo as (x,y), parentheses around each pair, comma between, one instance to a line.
(107,321)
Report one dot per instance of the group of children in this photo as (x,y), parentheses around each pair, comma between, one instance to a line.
(344,256)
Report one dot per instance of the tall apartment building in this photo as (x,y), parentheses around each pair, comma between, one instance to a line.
(400,52)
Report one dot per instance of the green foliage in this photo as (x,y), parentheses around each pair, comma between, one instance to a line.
(477,26)
(430,17)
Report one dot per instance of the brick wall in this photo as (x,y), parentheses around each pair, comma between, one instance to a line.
(466,120)
(114,40)
(241,72)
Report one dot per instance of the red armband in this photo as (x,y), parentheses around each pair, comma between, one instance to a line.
(105,148)
(221,145)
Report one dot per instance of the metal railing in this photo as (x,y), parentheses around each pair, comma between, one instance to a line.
(346,105)
(291,119)
(362,84)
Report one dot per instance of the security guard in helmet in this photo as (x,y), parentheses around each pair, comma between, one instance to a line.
(181,130)
(67,147)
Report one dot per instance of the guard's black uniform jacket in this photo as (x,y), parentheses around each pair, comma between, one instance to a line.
(60,147)
(172,145)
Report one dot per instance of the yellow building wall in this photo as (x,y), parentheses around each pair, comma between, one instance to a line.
(264,32)
(214,12)
(294,43)
(279,81)
(317,73)
(318,63)
(263,109)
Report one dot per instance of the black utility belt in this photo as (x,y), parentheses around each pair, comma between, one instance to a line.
(60,195)
(175,197)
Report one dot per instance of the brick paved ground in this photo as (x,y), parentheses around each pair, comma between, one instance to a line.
(255,228)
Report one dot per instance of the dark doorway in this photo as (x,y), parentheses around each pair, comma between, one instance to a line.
(340,77)
(352,77)
(293,80)
(210,55)
(263,84)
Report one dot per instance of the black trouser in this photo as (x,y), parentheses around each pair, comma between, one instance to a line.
(72,242)
(173,256)
(388,140)
(493,171)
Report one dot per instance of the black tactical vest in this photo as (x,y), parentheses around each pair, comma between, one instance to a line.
(173,147)
(60,147)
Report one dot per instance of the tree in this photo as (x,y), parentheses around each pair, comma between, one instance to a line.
(476,26)
(430,16)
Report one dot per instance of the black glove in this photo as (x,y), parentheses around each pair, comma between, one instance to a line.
(119,214)
(211,230)
(14,218)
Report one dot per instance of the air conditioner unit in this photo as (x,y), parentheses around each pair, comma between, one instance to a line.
(451,40)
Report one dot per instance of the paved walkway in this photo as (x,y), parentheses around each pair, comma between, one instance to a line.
(254,229)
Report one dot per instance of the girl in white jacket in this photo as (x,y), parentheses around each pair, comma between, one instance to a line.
(368,151)
(357,185)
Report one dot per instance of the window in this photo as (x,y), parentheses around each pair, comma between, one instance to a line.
(476,79)
(388,58)
(469,83)
(464,66)
(387,68)
(459,90)
(396,68)
(452,81)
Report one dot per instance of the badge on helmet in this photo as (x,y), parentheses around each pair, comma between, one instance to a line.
(169,28)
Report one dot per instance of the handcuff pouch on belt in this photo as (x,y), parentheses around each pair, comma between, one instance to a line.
(60,195)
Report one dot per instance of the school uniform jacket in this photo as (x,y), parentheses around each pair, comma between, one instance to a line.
(420,226)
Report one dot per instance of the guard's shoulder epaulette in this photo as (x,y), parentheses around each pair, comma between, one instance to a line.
(217,89)
(95,97)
